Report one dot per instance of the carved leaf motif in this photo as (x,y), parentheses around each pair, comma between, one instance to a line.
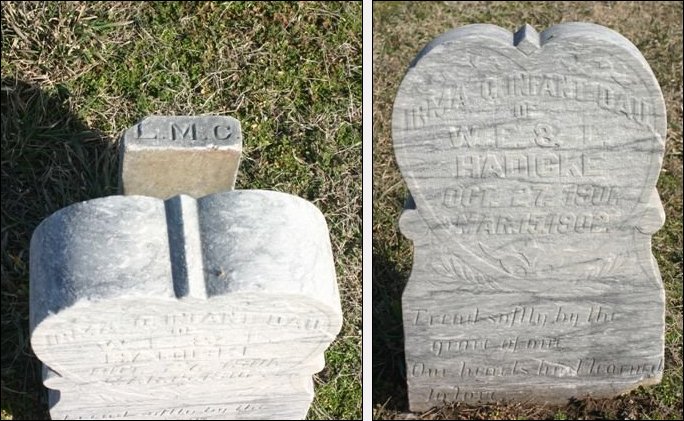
(452,269)
(621,75)
(602,67)
(619,261)
(441,268)
(602,267)
(609,264)
(468,274)
(515,263)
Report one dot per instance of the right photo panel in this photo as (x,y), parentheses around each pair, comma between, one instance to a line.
(527,210)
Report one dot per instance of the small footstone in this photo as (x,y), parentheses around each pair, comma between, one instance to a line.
(162,156)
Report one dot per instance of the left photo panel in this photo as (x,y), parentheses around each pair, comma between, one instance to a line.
(181,210)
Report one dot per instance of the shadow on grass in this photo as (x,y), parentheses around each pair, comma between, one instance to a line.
(50,159)
(389,367)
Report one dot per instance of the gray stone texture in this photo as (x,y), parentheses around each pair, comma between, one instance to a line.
(215,308)
(163,156)
(532,161)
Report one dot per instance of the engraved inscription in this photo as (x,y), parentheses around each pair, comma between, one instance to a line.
(183,131)
(450,100)
(529,223)
(175,354)
(446,346)
(180,324)
(575,195)
(542,367)
(201,412)
(454,98)
(568,87)
(419,370)
(517,317)
(544,135)
(222,132)
(454,347)
(527,164)
(523,109)
(518,344)
(176,379)
(140,135)
(456,394)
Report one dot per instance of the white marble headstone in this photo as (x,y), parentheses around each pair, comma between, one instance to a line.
(215,308)
(532,161)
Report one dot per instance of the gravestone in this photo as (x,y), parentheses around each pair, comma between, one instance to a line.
(215,308)
(531,161)
(163,156)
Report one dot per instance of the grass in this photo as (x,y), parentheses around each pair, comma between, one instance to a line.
(400,30)
(76,74)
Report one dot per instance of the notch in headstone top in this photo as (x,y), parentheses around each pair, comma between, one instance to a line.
(526,39)
(163,156)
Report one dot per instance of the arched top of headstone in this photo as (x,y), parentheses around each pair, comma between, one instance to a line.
(558,33)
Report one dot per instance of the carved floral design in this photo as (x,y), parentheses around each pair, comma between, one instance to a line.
(517,263)
(529,261)
(603,267)
(598,67)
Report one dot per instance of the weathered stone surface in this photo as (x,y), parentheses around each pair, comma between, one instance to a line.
(532,161)
(222,305)
(288,399)
(163,156)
